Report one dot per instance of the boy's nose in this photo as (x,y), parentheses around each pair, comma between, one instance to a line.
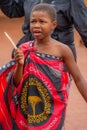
(37,24)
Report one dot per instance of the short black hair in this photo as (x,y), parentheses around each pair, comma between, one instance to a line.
(46,8)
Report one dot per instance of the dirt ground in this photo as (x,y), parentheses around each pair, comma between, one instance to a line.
(76,116)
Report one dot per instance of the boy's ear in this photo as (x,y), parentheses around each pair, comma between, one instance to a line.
(54,24)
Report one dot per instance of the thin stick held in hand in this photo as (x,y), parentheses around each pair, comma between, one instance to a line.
(10,40)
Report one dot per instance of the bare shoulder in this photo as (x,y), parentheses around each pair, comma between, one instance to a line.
(63,49)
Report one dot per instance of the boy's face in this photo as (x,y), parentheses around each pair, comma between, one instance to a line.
(41,24)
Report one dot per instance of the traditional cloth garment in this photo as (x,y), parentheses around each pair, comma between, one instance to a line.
(40,99)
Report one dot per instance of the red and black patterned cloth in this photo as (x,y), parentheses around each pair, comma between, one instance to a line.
(39,101)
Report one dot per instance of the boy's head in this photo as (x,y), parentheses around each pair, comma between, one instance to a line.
(43,20)
(44,7)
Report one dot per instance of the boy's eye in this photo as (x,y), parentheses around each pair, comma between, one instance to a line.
(40,21)
(43,21)
(33,21)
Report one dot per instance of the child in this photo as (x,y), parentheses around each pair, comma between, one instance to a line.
(41,82)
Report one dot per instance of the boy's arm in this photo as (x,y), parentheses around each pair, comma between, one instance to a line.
(18,74)
(79,80)
(19,57)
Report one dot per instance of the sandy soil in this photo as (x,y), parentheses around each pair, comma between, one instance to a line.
(76,116)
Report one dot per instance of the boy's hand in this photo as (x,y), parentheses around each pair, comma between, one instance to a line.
(19,56)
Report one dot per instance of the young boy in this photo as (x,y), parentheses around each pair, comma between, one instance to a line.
(39,81)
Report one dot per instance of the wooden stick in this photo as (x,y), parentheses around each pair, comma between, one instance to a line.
(10,40)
